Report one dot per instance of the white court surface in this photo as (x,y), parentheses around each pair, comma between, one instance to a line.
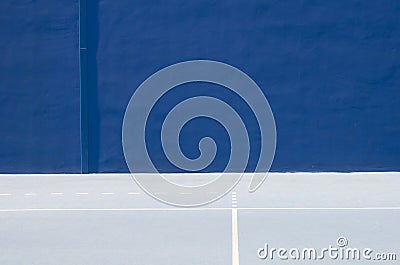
(108,219)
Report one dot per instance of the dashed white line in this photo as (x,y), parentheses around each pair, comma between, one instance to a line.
(133,193)
(234,201)
(108,193)
(29,194)
(56,193)
(81,193)
(5,194)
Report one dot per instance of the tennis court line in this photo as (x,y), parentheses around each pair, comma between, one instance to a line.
(109,209)
(320,208)
(189,209)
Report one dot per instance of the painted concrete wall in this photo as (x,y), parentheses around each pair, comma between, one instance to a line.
(330,70)
(39,86)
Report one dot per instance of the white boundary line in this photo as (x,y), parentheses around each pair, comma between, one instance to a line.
(110,209)
(321,208)
(182,209)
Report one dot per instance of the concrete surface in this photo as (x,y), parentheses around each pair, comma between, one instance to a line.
(107,219)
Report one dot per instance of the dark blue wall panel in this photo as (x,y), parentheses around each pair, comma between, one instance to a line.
(39,86)
(330,70)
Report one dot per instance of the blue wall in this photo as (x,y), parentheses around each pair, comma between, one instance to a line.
(39,86)
(330,70)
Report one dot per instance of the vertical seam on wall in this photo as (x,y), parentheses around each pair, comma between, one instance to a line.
(83,78)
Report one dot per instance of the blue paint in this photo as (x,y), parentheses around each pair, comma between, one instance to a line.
(330,70)
(198,128)
(93,90)
(39,86)
(83,66)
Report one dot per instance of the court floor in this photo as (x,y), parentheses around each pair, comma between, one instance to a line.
(108,219)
